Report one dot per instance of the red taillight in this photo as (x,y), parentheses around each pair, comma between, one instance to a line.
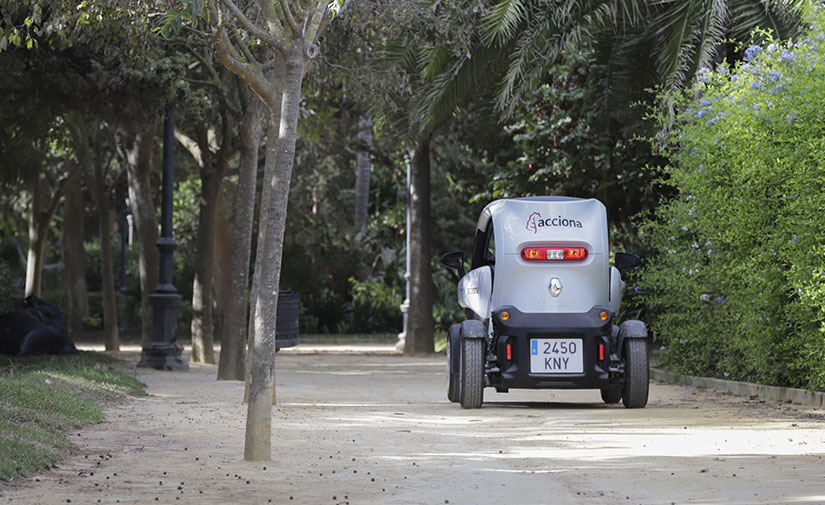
(554,253)
(601,352)
(509,353)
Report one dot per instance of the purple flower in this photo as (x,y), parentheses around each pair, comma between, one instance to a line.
(751,52)
(721,299)
(794,239)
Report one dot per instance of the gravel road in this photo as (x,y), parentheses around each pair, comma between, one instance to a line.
(356,428)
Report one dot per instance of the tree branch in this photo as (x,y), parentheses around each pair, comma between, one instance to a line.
(190,145)
(252,75)
(314,21)
(61,188)
(250,26)
(273,19)
(290,19)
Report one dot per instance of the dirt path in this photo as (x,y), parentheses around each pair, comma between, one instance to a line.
(378,429)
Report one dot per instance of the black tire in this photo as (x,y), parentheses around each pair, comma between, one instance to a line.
(612,394)
(636,373)
(471,373)
(452,375)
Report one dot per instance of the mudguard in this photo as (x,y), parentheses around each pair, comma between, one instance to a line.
(631,329)
(473,329)
(455,341)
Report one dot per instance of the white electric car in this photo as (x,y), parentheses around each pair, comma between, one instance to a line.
(541,299)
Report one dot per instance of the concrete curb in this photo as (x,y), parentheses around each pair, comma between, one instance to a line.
(761,391)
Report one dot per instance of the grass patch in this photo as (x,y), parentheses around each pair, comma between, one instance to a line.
(41,397)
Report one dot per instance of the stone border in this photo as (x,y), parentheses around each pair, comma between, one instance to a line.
(761,391)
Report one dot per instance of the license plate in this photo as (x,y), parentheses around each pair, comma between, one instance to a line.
(556,355)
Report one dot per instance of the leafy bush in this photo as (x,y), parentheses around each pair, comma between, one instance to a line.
(739,281)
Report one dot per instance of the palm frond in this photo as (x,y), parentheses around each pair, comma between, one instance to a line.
(710,33)
(460,80)
(501,23)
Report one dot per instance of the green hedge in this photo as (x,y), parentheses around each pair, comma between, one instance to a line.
(738,284)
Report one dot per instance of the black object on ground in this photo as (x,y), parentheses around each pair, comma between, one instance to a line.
(35,327)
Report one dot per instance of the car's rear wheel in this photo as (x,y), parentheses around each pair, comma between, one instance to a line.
(452,375)
(636,373)
(612,394)
(471,388)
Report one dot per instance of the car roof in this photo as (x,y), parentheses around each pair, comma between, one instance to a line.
(487,213)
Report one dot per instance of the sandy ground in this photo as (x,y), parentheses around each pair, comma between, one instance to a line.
(357,428)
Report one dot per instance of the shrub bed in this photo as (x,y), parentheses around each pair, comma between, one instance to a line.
(738,283)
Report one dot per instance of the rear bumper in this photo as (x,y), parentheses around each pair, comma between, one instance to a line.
(521,327)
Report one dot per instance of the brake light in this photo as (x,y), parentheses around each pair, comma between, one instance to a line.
(554,253)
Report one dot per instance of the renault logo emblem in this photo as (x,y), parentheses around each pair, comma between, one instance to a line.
(555,286)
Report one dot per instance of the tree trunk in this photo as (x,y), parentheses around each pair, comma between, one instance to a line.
(37,239)
(419,339)
(232,363)
(223,256)
(363,171)
(274,123)
(213,168)
(258,441)
(139,166)
(111,334)
(202,337)
(74,255)
(39,221)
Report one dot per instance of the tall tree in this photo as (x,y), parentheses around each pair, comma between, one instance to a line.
(137,151)
(641,44)
(40,218)
(363,167)
(232,364)
(96,159)
(420,338)
(74,254)
(291,30)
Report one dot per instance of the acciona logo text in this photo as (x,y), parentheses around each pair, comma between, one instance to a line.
(535,221)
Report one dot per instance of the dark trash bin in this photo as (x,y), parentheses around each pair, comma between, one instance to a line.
(286,326)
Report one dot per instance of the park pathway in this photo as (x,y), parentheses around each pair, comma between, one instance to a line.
(377,429)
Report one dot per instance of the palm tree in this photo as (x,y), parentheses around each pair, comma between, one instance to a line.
(640,43)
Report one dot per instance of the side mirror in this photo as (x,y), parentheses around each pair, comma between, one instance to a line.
(626,261)
(454,259)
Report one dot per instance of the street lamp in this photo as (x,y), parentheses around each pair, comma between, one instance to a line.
(163,353)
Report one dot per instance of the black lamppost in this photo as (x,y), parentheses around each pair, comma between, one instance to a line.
(163,353)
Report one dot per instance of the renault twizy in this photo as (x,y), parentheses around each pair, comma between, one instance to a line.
(541,299)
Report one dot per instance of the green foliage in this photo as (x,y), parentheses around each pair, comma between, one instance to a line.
(375,306)
(568,147)
(42,397)
(739,281)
